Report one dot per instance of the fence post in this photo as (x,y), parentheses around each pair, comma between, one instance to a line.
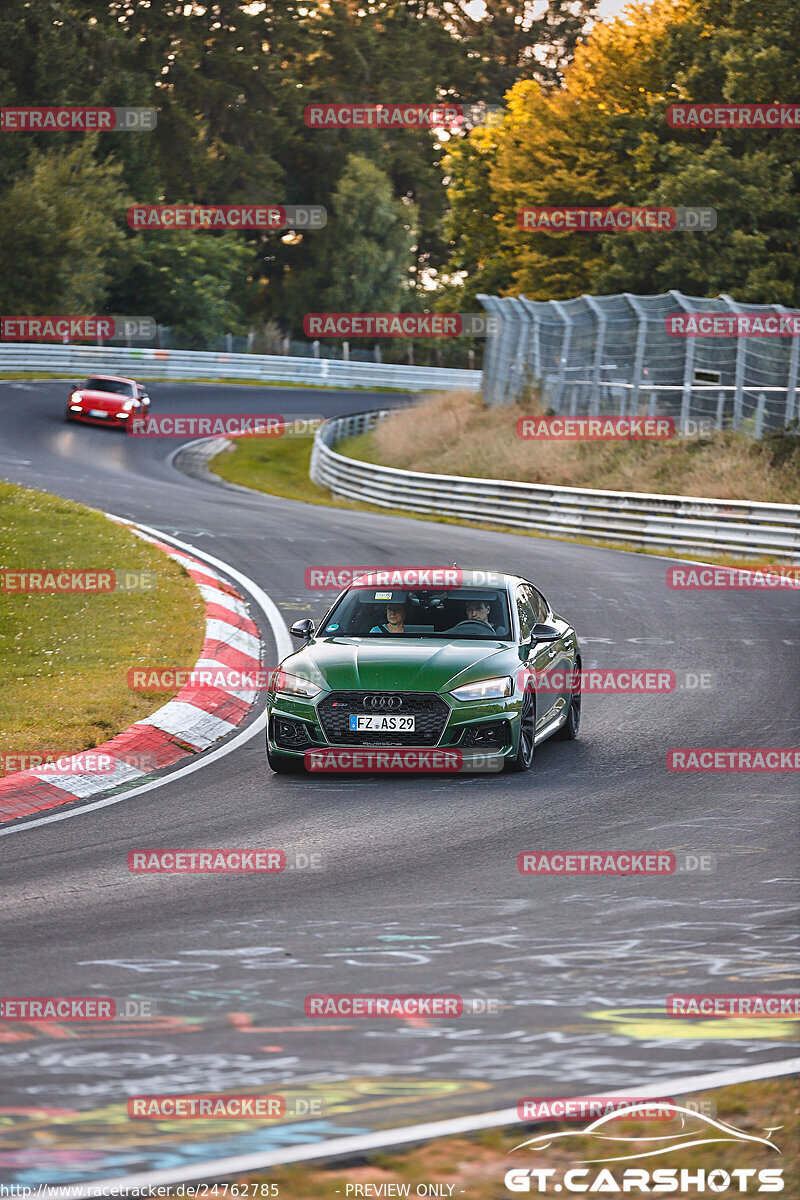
(638,357)
(229,343)
(534,339)
(599,350)
(521,329)
(762,403)
(346,351)
(688,365)
(720,409)
(741,348)
(566,338)
(490,304)
(791,381)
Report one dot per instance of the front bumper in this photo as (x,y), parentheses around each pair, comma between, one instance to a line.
(294,726)
(112,421)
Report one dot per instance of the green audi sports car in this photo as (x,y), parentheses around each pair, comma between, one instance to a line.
(457,667)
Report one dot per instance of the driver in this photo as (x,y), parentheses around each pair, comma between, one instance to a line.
(478,610)
(395,619)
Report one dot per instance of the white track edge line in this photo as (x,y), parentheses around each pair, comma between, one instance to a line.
(360,1143)
(283,645)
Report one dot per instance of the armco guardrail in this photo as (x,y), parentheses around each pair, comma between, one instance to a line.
(639,519)
(147,363)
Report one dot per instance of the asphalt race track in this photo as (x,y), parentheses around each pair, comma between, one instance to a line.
(417,888)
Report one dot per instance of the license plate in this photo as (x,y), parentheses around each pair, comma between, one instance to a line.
(381,723)
(97,412)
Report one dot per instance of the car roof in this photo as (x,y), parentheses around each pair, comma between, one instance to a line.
(113,378)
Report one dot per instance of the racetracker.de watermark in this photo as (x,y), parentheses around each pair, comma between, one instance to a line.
(615,862)
(341,575)
(209,1107)
(392,1005)
(400,325)
(242,425)
(595,429)
(85,762)
(57,1008)
(734,759)
(733,116)
(227,216)
(620,219)
(76,119)
(733,324)
(384,116)
(613,680)
(76,329)
(402,760)
(702,1005)
(68,580)
(219,677)
(589,1108)
(206,862)
(722,579)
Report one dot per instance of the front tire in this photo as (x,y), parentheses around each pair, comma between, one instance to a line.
(526,747)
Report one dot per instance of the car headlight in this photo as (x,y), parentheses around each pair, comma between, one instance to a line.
(293,685)
(76,396)
(129,404)
(485,689)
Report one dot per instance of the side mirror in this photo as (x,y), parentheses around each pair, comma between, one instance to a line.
(303,629)
(544,633)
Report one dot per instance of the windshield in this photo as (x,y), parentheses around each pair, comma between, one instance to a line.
(455,615)
(109,385)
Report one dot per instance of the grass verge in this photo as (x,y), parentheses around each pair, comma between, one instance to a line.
(64,658)
(475,1166)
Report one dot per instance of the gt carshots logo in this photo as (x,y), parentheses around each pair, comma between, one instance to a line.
(587,1177)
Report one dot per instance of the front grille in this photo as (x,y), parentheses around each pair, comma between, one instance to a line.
(428,709)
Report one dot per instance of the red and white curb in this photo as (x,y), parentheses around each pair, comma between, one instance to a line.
(192,721)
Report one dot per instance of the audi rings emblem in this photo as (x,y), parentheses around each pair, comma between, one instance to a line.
(382,701)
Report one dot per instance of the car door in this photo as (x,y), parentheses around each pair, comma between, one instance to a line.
(541,657)
(564,651)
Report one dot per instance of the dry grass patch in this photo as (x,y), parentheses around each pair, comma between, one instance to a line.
(453,434)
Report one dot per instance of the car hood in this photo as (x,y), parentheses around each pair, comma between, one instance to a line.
(413,665)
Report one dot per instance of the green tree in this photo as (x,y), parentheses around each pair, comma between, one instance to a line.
(192,281)
(60,232)
(361,259)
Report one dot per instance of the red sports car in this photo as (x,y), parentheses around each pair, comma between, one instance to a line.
(108,400)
